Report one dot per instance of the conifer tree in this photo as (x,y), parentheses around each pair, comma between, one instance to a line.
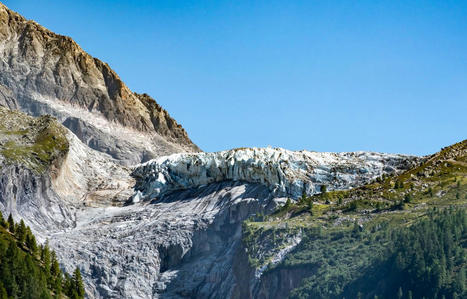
(78,285)
(21,232)
(31,241)
(45,258)
(11,224)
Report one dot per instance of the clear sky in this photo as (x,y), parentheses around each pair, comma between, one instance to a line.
(387,76)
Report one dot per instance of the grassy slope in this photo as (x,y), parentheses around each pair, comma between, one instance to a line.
(347,231)
(34,142)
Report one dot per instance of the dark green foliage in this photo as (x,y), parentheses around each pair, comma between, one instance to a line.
(2,224)
(21,275)
(11,224)
(310,206)
(324,189)
(24,274)
(408,198)
(31,241)
(78,283)
(45,258)
(73,285)
(287,205)
(21,231)
(352,206)
(425,260)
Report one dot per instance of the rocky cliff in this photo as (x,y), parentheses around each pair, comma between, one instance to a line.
(43,72)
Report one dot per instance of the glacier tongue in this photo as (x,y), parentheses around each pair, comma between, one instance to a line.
(286,173)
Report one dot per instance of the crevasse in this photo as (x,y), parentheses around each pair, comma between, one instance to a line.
(286,173)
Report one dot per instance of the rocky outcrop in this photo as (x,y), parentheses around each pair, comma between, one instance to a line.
(31,152)
(29,195)
(177,247)
(286,173)
(49,73)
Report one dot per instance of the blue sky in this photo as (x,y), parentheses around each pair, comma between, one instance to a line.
(386,76)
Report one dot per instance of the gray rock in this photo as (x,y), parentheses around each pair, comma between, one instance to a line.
(49,73)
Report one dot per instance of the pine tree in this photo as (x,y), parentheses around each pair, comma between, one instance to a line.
(31,241)
(11,224)
(288,203)
(54,269)
(78,285)
(3,293)
(45,258)
(310,206)
(324,189)
(430,192)
(21,232)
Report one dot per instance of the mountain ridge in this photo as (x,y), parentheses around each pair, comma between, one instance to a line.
(38,67)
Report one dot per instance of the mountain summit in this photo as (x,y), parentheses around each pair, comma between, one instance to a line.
(43,72)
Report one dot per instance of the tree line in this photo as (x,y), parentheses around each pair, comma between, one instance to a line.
(29,270)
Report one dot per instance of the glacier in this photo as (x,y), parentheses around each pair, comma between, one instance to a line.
(284,172)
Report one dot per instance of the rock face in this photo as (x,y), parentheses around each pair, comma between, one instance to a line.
(49,73)
(31,151)
(286,173)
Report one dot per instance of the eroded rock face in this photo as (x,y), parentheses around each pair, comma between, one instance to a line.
(29,195)
(49,73)
(180,246)
(31,152)
(286,173)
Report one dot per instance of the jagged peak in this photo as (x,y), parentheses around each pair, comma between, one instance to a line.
(66,72)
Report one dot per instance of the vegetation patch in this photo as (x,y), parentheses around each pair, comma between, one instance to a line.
(401,236)
(36,143)
(28,270)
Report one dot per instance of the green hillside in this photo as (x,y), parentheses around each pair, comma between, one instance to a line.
(31,271)
(403,236)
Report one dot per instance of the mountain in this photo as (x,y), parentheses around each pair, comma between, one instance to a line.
(77,167)
(159,228)
(45,73)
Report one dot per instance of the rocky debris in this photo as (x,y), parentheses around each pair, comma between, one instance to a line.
(183,244)
(7,98)
(286,173)
(90,178)
(44,72)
